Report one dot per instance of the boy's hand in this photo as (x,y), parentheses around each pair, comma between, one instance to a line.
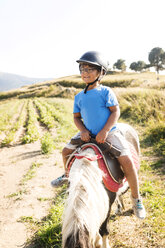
(101,136)
(85,135)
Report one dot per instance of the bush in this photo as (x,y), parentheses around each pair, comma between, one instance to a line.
(47,143)
(142,107)
(155,137)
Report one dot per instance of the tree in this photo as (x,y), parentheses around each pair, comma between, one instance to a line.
(157,59)
(133,66)
(141,65)
(120,65)
(138,66)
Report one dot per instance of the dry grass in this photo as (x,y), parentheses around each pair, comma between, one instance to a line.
(68,86)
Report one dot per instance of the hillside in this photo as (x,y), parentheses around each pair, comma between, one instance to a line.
(10,81)
(35,123)
(68,86)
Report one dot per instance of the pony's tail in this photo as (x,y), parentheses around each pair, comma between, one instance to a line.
(80,240)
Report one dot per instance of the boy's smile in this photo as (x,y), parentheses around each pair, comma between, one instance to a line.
(88,73)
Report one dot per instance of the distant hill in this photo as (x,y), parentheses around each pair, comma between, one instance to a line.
(68,86)
(10,81)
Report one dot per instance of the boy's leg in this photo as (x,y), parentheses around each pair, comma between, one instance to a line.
(132,178)
(130,172)
(62,179)
(66,152)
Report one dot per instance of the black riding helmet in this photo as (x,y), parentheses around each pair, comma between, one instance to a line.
(96,59)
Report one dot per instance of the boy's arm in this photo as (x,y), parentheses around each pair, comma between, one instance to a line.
(85,134)
(112,120)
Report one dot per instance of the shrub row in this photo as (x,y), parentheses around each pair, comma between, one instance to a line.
(45,115)
(8,110)
(10,135)
(32,133)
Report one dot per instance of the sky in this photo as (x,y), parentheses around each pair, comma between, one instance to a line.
(44,38)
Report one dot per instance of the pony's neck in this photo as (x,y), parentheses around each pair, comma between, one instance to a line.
(87,204)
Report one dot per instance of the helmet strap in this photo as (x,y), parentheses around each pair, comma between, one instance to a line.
(85,90)
(97,79)
(101,74)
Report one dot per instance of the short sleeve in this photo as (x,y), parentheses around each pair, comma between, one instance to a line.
(111,99)
(76,108)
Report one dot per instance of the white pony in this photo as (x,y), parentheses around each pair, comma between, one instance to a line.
(88,205)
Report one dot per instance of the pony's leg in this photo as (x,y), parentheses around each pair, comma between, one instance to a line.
(105,242)
(102,242)
(120,205)
(98,242)
(119,198)
(104,230)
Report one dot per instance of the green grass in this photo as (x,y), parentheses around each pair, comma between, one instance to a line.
(27,219)
(42,199)
(155,137)
(30,173)
(119,244)
(49,230)
(45,115)
(32,133)
(47,143)
(152,190)
(62,112)
(10,135)
(17,195)
(8,110)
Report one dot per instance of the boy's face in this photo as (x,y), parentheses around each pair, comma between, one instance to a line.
(88,73)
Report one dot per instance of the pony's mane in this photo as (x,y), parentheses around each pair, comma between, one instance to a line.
(87,198)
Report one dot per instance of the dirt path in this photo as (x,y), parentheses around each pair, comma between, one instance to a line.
(20,200)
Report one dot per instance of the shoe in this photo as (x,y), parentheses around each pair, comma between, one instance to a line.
(59,181)
(138,208)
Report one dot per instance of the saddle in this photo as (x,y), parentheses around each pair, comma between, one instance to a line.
(106,153)
(106,147)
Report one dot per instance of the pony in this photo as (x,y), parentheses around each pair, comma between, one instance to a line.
(88,203)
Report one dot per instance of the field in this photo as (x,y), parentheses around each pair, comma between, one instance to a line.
(36,122)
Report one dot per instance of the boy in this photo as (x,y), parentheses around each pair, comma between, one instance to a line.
(96,111)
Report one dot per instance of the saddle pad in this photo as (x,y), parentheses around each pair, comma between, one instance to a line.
(108,181)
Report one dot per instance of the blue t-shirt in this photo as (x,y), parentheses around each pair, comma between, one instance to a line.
(93,107)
